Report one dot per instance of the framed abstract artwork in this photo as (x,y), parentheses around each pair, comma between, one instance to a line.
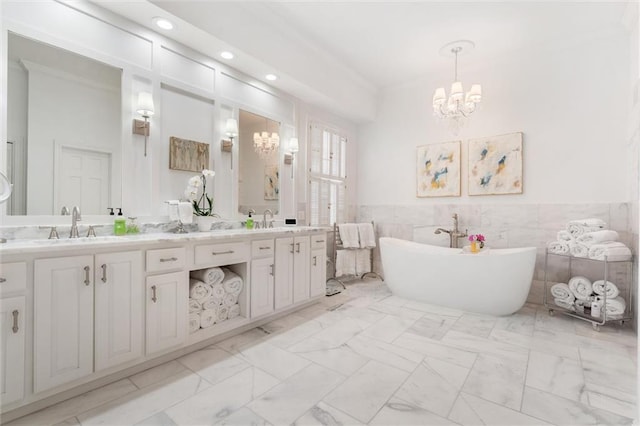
(188,155)
(438,170)
(495,165)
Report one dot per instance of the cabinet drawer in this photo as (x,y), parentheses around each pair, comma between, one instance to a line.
(318,241)
(262,248)
(221,254)
(13,277)
(166,259)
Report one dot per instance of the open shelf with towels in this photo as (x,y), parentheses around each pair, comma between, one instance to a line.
(584,309)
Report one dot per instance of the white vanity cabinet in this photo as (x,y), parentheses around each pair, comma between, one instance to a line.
(68,292)
(167,305)
(262,277)
(292,270)
(318,265)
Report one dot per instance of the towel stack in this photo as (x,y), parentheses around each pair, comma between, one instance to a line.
(589,238)
(580,294)
(213,297)
(359,238)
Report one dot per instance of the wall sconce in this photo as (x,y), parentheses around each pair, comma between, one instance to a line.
(145,109)
(231,130)
(293,148)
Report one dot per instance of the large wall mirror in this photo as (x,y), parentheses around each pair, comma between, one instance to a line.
(258,171)
(64,126)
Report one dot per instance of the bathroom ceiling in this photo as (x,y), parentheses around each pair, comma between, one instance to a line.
(313,45)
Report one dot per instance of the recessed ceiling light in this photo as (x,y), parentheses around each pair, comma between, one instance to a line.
(271,77)
(163,23)
(227,55)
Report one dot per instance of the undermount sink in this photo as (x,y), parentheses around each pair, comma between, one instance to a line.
(79,240)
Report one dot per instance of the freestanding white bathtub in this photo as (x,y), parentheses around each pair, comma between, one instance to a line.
(494,282)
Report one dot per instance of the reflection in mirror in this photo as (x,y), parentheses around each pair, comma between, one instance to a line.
(63,127)
(258,174)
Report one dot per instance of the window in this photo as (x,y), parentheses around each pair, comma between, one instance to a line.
(327,175)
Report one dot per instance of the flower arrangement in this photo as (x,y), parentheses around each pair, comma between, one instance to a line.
(479,238)
(202,206)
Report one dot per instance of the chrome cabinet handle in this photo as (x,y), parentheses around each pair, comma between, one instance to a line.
(222,252)
(3,280)
(272,269)
(104,273)
(170,259)
(314,260)
(291,248)
(265,248)
(154,295)
(15,321)
(319,241)
(297,247)
(87,280)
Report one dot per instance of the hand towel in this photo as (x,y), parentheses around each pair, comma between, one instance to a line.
(558,247)
(185,212)
(349,235)
(564,304)
(581,287)
(217,292)
(209,276)
(173,209)
(597,237)
(229,300)
(234,311)
(208,318)
(366,235)
(232,282)
(615,307)
(612,289)
(345,262)
(614,251)
(194,306)
(578,250)
(222,313)
(199,290)
(562,291)
(363,261)
(564,236)
(211,304)
(194,322)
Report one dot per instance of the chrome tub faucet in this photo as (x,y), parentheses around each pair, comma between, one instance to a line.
(454,233)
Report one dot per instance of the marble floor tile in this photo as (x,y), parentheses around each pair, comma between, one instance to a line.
(399,412)
(469,410)
(434,386)
(361,313)
(213,364)
(557,322)
(609,369)
(159,419)
(295,396)
(497,379)
(274,360)
(400,311)
(433,326)
(536,343)
(73,421)
(612,400)
(435,349)
(243,417)
(386,353)
(475,324)
(433,309)
(237,343)
(342,359)
(157,374)
(72,407)
(293,335)
(388,328)
(339,333)
(483,345)
(556,375)
(366,391)
(323,414)
(522,322)
(220,400)
(561,411)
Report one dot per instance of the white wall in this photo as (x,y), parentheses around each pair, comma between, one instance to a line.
(570,103)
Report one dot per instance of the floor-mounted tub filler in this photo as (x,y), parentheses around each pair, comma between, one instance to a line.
(493,282)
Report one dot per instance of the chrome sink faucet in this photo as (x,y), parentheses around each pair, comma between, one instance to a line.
(454,234)
(75,217)
(264,219)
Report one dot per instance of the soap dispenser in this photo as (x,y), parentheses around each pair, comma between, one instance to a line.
(111,213)
(249,223)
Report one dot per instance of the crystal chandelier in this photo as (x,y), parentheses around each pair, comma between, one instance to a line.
(459,105)
(265,144)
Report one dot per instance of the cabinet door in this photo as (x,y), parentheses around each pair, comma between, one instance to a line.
(63,320)
(283,293)
(318,272)
(118,308)
(261,286)
(301,269)
(12,350)
(167,301)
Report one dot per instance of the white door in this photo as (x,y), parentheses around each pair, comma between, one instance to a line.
(63,320)
(118,308)
(283,292)
(318,272)
(301,269)
(261,287)
(12,351)
(167,300)
(84,180)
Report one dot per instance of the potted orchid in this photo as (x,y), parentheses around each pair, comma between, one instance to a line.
(477,242)
(202,204)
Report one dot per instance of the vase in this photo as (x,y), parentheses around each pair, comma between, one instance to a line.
(475,247)
(205,222)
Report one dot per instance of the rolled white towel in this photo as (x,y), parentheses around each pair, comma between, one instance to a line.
(194,322)
(194,306)
(581,287)
(349,235)
(222,313)
(211,303)
(366,235)
(576,229)
(229,300)
(558,247)
(564,236)
(345,262)
(234,311)
(209,276)
(615,307)
(363,261)
(612,289)
(563,303)
(562,291)
(232,282)
(614,251)
(578,250)
(597,237)
(199,290)
(208,318)
(217,292)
